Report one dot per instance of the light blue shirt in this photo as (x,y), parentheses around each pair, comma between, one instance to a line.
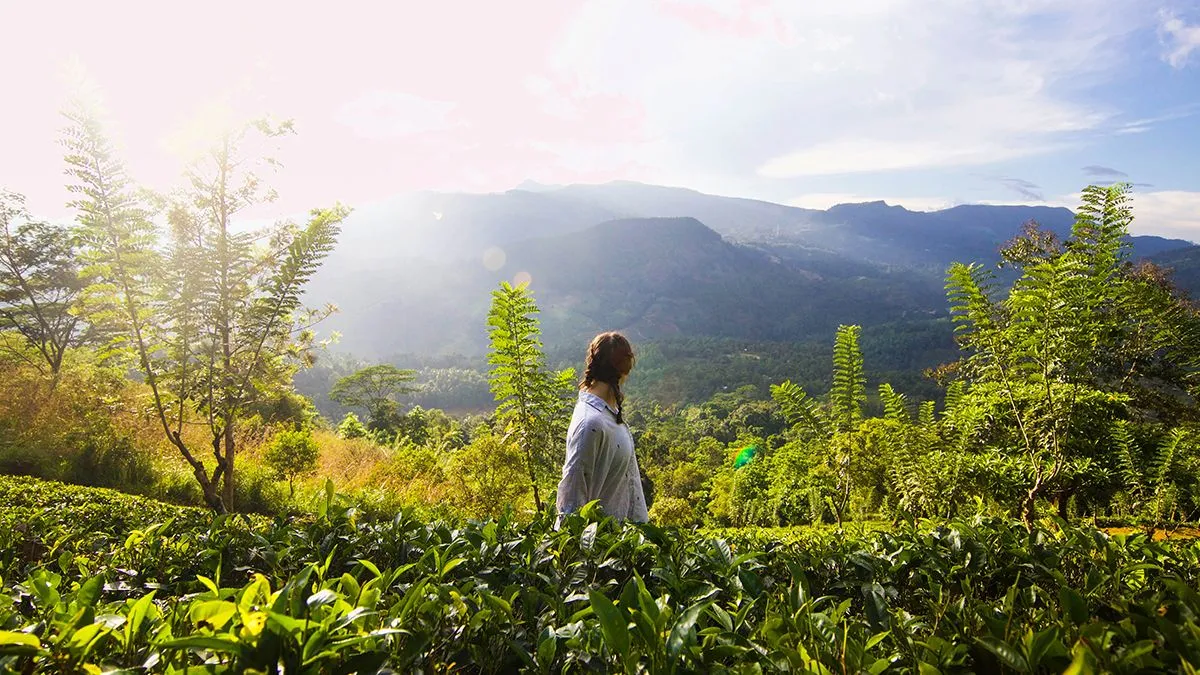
(601,463)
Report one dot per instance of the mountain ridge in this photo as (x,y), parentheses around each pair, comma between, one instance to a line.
(686,263)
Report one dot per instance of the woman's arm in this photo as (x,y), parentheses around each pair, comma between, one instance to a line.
(578,485)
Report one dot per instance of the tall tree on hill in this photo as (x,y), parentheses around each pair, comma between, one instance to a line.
(373,389)
(39,283)
(532,403)
(212,317)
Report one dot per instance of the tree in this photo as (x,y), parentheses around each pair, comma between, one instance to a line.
(39,282)
(533,403)
(373,389)
(849,382)
(292,454)
(830,432)
(1079,321)
(214,321)
(350,427)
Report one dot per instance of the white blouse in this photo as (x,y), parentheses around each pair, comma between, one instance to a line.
(601,463)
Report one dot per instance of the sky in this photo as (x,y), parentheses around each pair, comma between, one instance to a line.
(922,103)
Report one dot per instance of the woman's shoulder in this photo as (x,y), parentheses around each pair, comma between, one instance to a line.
(588,417)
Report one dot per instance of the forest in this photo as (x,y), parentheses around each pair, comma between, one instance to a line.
(1025,504)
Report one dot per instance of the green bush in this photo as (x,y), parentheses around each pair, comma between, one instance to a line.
(101,581)
(292,454)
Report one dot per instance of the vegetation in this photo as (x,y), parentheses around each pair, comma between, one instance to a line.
(816,508)
(39,284)
(531,401)
(374,389)
(98,580)
(211,319)
(292,454)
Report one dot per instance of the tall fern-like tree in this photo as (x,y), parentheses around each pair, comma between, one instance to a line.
(532,402)
(831,428)
(213,316)
(1078,319)
(849,391)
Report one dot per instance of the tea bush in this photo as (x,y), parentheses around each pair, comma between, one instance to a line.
(98,581)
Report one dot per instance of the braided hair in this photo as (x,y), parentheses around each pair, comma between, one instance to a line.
(605,356)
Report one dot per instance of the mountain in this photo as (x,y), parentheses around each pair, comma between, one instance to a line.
(447,226)
(653,278)
(414,274)
(1184,264)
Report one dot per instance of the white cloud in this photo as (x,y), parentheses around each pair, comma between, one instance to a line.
(382,115)
(824,200)
(1164,213)
(852,156)
(784,88)
(1167,213)
(1179,39)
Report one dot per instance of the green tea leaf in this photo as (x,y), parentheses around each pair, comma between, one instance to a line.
(612,623)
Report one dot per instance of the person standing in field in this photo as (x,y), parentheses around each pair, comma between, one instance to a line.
(601,464)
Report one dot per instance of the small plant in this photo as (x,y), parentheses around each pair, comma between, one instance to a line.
(351,427)
(292,454)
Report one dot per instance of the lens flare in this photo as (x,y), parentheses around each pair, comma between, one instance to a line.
(494,258)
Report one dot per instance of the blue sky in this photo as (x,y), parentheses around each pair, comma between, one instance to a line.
(925,103)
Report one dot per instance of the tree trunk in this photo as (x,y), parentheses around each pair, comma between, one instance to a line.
(229,457)
(211,497)
(1029,508)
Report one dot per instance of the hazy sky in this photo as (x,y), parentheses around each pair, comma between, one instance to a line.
(925,103)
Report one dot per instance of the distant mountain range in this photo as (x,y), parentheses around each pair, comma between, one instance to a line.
(414,274)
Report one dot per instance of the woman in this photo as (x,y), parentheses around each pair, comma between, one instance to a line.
(600,462)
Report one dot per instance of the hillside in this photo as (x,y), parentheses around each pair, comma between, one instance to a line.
(1184,264)
(414,274)
(652,278)
(450,226)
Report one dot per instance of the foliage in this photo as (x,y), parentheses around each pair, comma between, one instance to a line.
(373,389)
(532,403)
(291,454)
(212,319)
(840,461)
(486,475)
(75,428)
(350,427)
(169,589)
(39,283)
(1079,321)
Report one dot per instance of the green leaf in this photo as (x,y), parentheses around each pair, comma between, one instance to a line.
(451,564)
(683,628)
(139,612)
(876,606)
(18,644)
(212,643)
(546,650)
(612,623)
(322,597)
(89,592)
(1073,605)
(210,585)
(213,613)
(1010,656)
(370,567)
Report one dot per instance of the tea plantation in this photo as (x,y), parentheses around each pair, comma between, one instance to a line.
(97,581)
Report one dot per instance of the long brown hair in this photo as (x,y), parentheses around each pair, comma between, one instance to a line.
(604,357)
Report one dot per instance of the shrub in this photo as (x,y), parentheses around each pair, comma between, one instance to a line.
(292,454)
